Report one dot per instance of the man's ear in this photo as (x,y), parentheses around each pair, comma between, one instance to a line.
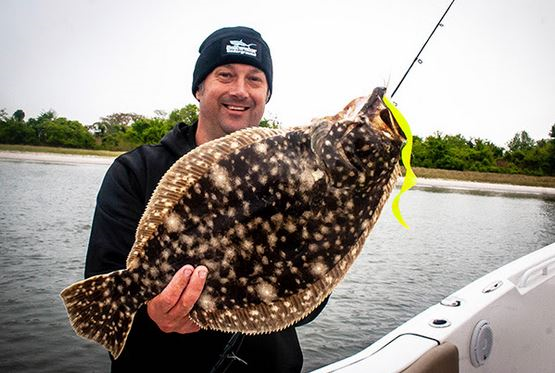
(199,90)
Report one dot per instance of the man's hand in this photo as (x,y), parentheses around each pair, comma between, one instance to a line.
(170,309)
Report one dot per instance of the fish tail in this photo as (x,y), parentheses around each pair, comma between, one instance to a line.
(102,309)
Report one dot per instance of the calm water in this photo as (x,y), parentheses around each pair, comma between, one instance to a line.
(45,216)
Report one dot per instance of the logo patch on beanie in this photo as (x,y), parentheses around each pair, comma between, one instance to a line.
(240,47)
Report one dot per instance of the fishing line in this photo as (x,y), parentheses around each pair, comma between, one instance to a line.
(417,58)
(228,355)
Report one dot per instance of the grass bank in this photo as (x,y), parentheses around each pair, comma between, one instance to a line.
(430,173)
(486,177)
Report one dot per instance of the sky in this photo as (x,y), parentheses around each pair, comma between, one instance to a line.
(487,73)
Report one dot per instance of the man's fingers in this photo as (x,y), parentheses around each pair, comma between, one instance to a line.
(171,294)
(170,309)
(191,294)
(194,289)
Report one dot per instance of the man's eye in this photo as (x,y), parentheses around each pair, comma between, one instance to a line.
(255,79)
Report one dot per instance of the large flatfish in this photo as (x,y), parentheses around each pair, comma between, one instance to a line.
(277,216)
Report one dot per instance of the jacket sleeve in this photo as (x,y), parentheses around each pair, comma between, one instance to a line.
(119,207)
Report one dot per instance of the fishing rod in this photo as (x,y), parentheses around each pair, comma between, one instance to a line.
(421,49)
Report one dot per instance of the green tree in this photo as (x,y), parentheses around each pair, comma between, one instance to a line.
(19,115)
(38,124)
(521,141)
(148,130)
(482,156)
(110,131)
(551,152)
(14,129)
(531,157)
(455,153)
(270,123)
(66,133)
(419,153)
(3,115)
(439,151)
(187,115)
(114,123)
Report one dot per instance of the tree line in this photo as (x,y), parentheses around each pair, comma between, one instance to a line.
(125,131)
(523,155)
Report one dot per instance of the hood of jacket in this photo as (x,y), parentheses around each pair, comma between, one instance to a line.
(181,139)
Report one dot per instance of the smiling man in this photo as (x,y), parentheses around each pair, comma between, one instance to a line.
(232,97)
(232,81)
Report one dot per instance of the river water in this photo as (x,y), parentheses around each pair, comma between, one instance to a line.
(454,238)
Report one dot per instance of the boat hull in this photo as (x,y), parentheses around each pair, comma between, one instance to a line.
(502,322)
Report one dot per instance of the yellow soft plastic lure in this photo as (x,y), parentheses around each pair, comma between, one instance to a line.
(410,177)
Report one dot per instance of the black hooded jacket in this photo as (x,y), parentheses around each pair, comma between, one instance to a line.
(123,196)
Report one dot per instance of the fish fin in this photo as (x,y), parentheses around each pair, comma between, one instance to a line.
(99,309)
(183,174)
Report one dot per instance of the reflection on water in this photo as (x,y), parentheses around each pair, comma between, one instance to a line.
(45,216)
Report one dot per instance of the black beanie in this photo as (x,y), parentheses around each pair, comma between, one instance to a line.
(233,45)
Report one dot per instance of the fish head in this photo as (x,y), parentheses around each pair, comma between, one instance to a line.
(359,144)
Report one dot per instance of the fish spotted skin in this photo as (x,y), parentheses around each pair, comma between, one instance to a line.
(277,217)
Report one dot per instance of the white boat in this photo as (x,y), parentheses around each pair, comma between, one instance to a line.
(503,322)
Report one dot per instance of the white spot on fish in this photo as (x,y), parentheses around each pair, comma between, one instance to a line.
(220,178)
(261,148)
(266,292)
(318,268)
(206,302)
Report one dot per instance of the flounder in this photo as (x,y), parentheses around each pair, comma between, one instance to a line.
(277,216)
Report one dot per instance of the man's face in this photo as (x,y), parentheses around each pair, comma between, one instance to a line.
(232,97)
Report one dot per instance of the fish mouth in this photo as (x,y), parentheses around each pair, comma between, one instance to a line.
(377,106)
(387,117)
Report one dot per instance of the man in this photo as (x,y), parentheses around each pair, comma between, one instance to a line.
(232,81)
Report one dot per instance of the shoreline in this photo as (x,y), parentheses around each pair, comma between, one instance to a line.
(423,183)
(39,157)
(481,187)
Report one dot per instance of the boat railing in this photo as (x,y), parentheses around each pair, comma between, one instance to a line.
(536,275)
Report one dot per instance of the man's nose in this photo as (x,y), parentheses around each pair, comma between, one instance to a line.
(239,88)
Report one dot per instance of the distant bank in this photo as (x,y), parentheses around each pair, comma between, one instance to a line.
(428,177)
(486,177)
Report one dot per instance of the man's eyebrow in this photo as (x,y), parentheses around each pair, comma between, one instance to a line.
(252,68)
